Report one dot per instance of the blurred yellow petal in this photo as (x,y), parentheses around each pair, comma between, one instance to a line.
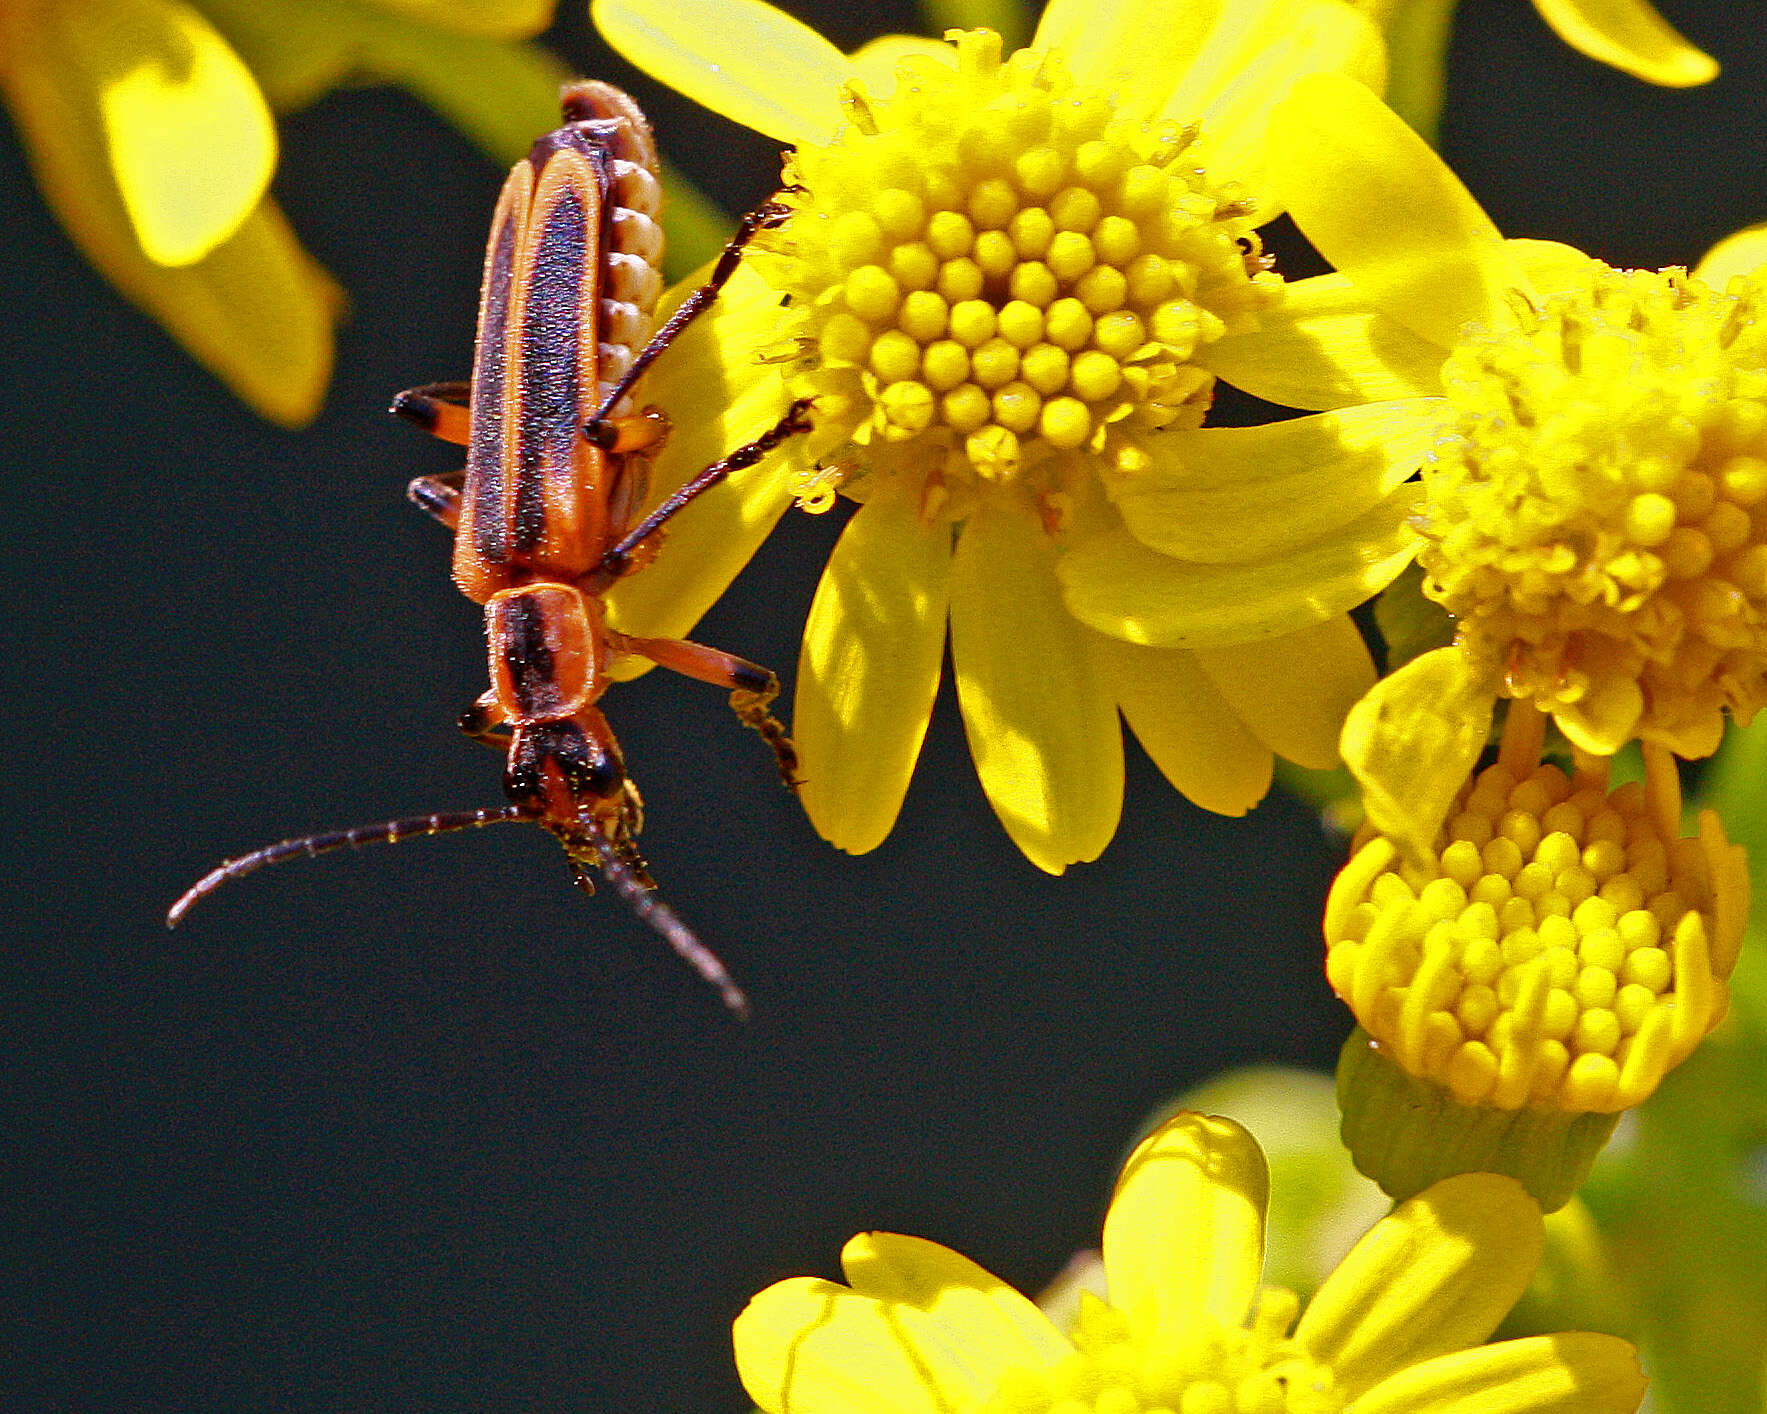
(1184,1237)
(1231,495)
(999,1329)
(1186,726)
(721,397)
(870,667)
(1042,725)
(1412,742)
(1294,692)
(1574,1372)
(1122,588)
(1417,34)
(496,19)
(257,310)
(1739,254)
(742,58)
(500,94)
(806,1346)
(187,140)
(1435,1276)
(1257,52)
(1631,36)
(1326,346)
(1432,261)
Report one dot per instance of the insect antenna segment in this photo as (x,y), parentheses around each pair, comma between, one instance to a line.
(388,832)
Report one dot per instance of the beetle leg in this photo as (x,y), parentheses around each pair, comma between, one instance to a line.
(440,409)
(485,723)
(764,217)
(438,497)
(617,561)
(752,688)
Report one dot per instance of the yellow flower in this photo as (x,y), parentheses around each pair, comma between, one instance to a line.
(1187,1329)
(154,146)
(1000,283)
(1592,513)
(1562,947)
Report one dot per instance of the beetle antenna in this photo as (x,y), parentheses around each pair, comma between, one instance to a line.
(390,832)
(642,900)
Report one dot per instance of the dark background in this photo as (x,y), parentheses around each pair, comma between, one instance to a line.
(425,1129)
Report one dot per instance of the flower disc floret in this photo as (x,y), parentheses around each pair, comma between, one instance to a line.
(997,269)
(1562,949)
(1599,524)
(1257,1368)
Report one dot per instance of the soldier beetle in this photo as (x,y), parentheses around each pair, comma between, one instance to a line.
(557,462)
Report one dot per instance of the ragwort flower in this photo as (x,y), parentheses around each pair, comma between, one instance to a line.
(1559,949)
(1596,517)
(154,145)
(1187,1328)
(999,283)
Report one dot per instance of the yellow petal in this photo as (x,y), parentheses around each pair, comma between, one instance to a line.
(499,19)
(1182,722)
(742,58)
(1412,741)
(190,141)
(1252,58)
(1042,724)
(1136,49)
(1294,692)
(1630,35)
(1435,1276)
(1234,495)
(1432,260)
(1326,346)
(998,1328)
(257,311)
(1120,587)
(1184,1237)
(870,667)
(719,396)
(1577,1372)
(806,1346)
(1739,254)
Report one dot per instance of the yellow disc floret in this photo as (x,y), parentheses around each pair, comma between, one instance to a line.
(995,271)
(1217,1369)
(1563,947)
(1599,526)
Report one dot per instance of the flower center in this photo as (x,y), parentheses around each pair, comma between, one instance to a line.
(1564,949)
(1253,1369)
(996,269)
(1599,527)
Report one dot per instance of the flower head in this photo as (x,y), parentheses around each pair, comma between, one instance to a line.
(1591,509)
(1186,1326)
(1562,947)
(1596,522)
(1000,285)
